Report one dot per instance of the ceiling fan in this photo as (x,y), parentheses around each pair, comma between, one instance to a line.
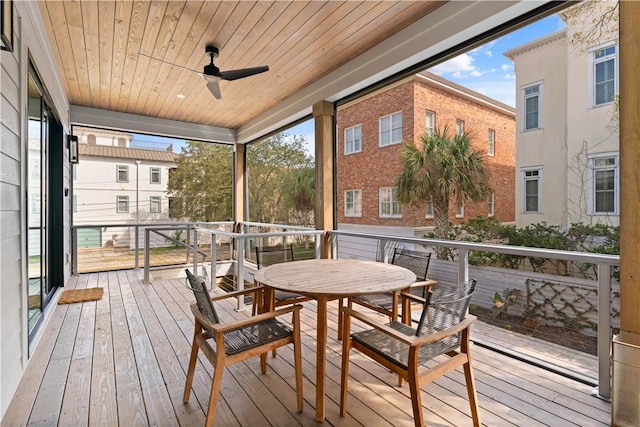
(213,75)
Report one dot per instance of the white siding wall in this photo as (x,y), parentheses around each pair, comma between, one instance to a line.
(545,147)
(364,248)
(29,41)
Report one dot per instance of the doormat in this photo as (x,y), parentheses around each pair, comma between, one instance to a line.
(80,295)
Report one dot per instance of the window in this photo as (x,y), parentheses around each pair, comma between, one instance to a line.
(429,213)
(353,139)
(122,204)
(155,204)
(122,173)
(155,176)
(604,75)
(459,127)
(460,210)
(603,183)
(532,190)
(491,204)
(391,129)
(35,203)
(491,147)
(430,122)
(353,203)
(35,168)
(75,203)
(75,171)
(389,205)
(532,107)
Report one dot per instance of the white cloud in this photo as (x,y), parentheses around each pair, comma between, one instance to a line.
(506,67)
(489,53)
(459,67)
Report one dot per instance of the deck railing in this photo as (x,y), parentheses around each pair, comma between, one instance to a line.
(604,281)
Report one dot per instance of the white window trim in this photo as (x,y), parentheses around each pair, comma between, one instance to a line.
(159,200)
(159,170)
(118,204)
(460,127)
(592,77)
(346,152)
(356,214)
(126,168)
(491,145)
(492,200)
(380,214)
(391,142)
(591,199)
(427,214)
(460,214)
(429,130)
(523,172)
(524,105)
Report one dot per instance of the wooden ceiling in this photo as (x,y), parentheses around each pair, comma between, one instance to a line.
(98,46)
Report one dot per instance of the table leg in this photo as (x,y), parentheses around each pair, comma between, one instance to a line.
(321,358)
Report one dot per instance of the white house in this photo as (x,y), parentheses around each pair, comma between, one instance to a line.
(567,143)
(114,183)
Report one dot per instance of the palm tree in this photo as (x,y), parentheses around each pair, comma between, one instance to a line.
(442,168)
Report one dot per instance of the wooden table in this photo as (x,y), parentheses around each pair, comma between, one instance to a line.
(329,279)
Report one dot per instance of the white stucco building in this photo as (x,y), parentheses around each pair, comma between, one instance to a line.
(114,183)
(567,143)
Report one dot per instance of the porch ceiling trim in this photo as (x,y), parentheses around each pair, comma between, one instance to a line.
(136,123)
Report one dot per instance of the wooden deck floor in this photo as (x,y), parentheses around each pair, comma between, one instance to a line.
(122,361)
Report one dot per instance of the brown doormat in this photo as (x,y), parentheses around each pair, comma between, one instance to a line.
(80,295)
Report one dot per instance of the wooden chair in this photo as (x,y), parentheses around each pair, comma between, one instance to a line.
(443,328)
(389,303)
(269,255)
(238,340)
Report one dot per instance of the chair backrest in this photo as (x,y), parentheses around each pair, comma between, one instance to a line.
(443,311)
(418,262)
(269,255)
(200,290)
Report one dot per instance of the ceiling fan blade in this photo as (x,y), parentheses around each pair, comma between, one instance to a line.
(168,63)
(214,88)
(242,73)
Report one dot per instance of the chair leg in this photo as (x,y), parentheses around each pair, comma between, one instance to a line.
(263,363)
(340,319)
(192,367)
(218,371)
(468,377)
(414,386)
(344,375)
(297,359)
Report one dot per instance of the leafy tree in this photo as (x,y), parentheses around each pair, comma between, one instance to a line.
(300,194)
(202,183)
(442,168)
(276,177)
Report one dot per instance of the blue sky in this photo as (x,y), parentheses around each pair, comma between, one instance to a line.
(484,69)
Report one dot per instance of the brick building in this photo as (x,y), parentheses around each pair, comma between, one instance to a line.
(371,131)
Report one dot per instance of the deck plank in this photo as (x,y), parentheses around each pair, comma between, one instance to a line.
(122,361)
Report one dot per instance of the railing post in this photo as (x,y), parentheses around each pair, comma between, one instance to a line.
(604,330)
(186,261)
(463,265)
(146,254)
(74,242)
(136,247)
(240,273)
(214,269)
(195,251)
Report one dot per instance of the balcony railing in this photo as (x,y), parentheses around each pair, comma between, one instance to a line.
(238,246)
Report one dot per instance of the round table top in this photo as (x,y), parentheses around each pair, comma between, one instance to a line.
(335,277)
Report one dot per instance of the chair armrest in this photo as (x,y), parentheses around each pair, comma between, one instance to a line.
(428,283)
(412,297)
(224,327)
(237,293)
(410,340)
(377,325)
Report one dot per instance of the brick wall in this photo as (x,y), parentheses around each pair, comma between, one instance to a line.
(376,167)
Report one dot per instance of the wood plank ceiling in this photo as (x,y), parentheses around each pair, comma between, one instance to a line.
(100,46)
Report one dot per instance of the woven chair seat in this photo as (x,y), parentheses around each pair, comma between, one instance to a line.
(251,336)
(398,352)
(384,301)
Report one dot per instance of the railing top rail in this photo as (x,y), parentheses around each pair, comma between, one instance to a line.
(153,224)
(260,235)
(488,247)
(283,226)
